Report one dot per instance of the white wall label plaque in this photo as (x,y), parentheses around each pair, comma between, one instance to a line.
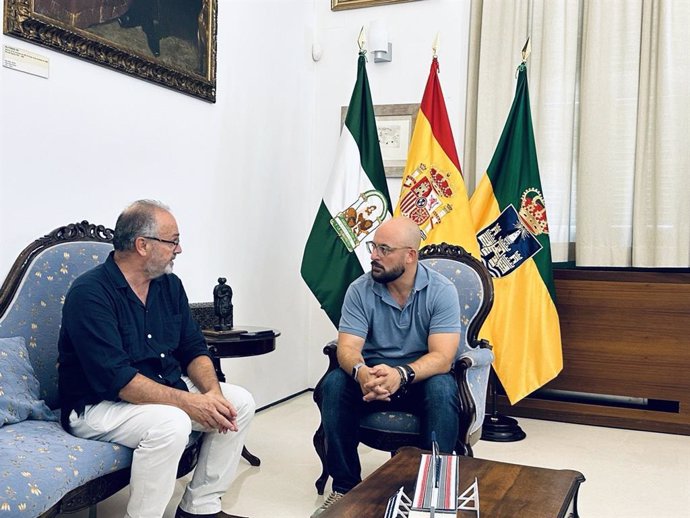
(25,61)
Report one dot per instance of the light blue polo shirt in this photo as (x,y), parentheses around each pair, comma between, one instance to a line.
(395,335)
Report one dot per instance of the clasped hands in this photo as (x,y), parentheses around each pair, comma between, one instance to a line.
(213,411)
(379,383)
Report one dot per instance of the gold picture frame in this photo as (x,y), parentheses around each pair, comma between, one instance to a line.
(341,5)
(172,48)
(395,125)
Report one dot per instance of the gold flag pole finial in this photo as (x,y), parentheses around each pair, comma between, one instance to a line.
(362,41)
(436,44)
(526,50)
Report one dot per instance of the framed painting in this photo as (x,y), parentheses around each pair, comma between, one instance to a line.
(340,5)
(394,124)
(168,42)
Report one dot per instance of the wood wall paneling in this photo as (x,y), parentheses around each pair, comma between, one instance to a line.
(624,333)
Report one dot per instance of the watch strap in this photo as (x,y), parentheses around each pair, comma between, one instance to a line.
(356,368)
(410,373)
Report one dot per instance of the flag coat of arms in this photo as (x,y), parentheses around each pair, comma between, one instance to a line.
(355,203)
(509,212)
(433,192)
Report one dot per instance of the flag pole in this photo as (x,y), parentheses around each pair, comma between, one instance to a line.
(498,427)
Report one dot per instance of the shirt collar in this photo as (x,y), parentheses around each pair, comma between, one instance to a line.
(119,279)
(114,271)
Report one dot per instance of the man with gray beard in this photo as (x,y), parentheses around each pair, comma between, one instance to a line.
(134,369)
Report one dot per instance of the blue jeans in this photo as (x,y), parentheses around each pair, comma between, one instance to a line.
(342,405)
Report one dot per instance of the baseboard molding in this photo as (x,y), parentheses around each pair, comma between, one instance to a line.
(283,400)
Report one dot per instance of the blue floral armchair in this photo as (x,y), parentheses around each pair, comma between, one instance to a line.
(43,469)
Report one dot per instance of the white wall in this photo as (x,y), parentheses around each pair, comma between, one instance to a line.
(87,141)
(244,176)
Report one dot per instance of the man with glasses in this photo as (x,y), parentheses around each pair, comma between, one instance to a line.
(134,369)
(397,340)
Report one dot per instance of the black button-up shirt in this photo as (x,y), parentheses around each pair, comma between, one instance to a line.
(108,336)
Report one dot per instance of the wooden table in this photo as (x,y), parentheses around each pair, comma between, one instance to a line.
(253,342)
(505,490)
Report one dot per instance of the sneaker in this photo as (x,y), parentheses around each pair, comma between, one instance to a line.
(332,498)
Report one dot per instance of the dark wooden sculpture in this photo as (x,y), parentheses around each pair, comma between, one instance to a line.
(222,305)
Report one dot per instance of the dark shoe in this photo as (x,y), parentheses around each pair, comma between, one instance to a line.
(184,514)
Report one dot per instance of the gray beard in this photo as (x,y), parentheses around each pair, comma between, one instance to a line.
(158,273)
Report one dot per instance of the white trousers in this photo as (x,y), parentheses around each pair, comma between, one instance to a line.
(158,434)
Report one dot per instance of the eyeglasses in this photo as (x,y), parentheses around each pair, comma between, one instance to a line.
(384,250)
(175,242)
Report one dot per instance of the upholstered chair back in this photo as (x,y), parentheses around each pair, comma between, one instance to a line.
(471,293)
(32,297)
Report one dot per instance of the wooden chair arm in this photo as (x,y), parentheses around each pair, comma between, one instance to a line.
(331,350)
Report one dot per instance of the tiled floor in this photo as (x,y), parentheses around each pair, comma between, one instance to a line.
(631,474)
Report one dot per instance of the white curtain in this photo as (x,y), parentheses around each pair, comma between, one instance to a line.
(661,212)
(609,86)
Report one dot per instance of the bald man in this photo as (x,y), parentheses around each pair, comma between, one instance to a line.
(398,338)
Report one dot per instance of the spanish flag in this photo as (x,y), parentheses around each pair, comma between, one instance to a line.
(509,212)
(433,192)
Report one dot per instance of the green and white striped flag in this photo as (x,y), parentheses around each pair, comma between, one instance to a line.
(356,202)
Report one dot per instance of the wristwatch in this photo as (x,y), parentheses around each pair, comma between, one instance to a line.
(410,373)
(356,368)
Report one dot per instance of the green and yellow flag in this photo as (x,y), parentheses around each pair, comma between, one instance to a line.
(509,212)
(355,203)
(433,192)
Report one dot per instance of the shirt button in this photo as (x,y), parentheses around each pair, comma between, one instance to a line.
(148,335)
(161,377)
(162,355)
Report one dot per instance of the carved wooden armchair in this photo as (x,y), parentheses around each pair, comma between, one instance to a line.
(46,470)
(391,430)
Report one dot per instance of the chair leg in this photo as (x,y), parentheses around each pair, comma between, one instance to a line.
(320,447)
(252,459)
